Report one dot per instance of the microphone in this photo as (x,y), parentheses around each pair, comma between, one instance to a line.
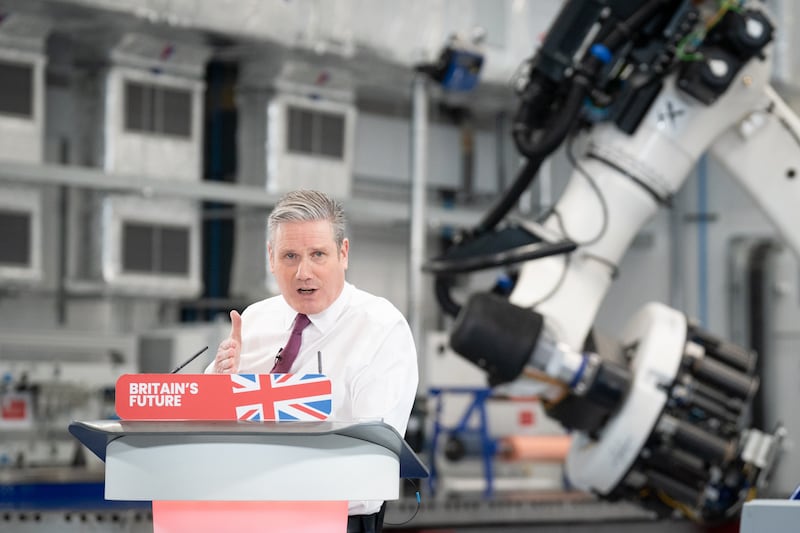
(277,359)
(192,358)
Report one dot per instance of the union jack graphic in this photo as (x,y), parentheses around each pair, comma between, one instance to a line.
(250,412)
(245,383)
(282,396)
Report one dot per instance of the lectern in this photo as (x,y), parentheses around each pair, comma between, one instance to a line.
(249,476)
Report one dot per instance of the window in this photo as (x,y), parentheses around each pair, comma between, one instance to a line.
(314,132)
(158,110)
(153,249)
(15,238)
(16,89)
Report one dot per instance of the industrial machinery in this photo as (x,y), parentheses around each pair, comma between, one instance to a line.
(660,416)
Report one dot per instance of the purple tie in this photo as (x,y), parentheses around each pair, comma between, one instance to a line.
(283,363)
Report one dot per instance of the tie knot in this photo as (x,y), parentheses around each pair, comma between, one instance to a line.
(300,323)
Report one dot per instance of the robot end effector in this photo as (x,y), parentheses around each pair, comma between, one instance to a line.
(663,422)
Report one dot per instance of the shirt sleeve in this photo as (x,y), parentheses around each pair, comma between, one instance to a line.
(387,387)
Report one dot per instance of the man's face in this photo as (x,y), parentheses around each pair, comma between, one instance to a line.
(307,265)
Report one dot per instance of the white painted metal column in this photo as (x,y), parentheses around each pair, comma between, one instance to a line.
(419,178)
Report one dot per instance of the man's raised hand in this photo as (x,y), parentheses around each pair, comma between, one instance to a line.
(230,350)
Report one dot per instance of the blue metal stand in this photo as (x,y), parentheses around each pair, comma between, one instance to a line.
(488,445)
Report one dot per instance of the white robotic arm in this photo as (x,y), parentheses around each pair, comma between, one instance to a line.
(663,419)
(762,152)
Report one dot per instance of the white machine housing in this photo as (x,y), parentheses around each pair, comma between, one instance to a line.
(22,65)
(153,108)
(164,258)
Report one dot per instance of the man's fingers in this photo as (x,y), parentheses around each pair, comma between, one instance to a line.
(225,363)
(230,344)
(227,358)
(236,327)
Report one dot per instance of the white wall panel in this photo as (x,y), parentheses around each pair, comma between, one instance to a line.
(383,152)
(383,147)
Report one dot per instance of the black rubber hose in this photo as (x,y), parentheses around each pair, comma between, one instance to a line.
(442,288)
(506,202)
(622,30)
(552,137)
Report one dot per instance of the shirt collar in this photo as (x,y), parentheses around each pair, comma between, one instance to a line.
(325,319)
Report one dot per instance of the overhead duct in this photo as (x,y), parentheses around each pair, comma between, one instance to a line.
(151,91)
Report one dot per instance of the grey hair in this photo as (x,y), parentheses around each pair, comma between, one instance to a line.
(308,206)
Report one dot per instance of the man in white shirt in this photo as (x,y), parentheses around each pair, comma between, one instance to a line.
(360,341)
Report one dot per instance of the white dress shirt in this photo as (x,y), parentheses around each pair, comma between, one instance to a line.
(367,351)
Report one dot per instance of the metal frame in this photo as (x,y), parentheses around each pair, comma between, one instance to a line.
(243,196)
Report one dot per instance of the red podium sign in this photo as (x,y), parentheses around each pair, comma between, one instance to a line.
(257,397)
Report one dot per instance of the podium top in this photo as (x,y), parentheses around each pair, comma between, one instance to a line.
(97,434)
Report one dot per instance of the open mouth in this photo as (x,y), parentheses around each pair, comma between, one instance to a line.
(306,292)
